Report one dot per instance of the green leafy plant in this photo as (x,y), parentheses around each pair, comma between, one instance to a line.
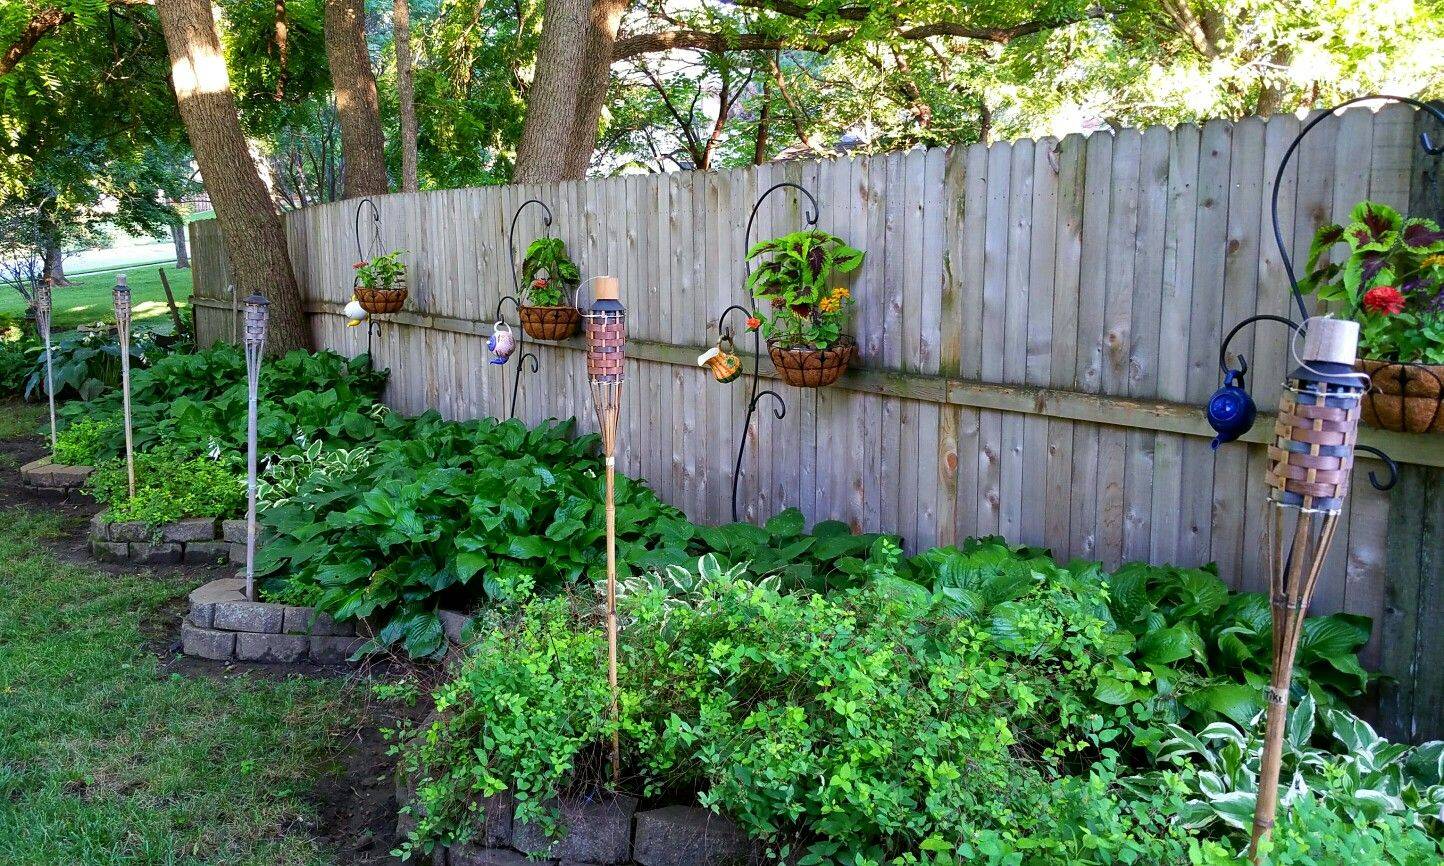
(1392,281)
(86,362)
(1355,775)
(286,473)
(86,441)
(383,271)
(14,363)
(548,274)
(168,487)
(793,278)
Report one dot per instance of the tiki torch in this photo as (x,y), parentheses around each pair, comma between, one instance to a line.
(606,334)
(42,325)
(122,331)
(254,339)
(1309,464)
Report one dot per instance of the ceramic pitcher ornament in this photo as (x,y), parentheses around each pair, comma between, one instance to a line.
(501,344)
(722,360)
(355,313)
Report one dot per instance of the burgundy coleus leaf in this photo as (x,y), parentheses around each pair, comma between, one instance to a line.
(1422,234)
(1377,222)
(1372,264)
(816,258)
(1329,235)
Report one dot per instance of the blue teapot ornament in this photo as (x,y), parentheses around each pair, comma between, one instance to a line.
(1231,411)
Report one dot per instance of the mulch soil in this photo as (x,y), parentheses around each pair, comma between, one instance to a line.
(357,802)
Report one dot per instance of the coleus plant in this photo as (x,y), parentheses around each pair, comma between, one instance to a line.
(382,272)
(1391,283)
(793,280)
(549,273)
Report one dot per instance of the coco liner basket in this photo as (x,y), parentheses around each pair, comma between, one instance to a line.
(550,323)
(806,367)
(381,301)
(1406,398)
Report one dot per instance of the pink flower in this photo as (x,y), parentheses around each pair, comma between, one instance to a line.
(1384,299)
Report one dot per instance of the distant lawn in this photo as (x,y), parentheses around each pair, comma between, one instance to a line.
(106,758)
(89,300)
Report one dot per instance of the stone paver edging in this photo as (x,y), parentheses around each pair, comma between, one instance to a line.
(223,625)
(42,474)
(196,540)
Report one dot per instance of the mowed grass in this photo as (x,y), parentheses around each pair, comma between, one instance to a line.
(22,420)
(90,299)
(107,759)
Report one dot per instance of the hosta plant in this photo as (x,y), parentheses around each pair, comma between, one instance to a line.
(800,305)
(1330,755)
(1391,282)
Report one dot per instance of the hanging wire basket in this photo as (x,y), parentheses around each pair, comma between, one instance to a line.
(1406,398)
(381,301)
(808,367)
(550,323)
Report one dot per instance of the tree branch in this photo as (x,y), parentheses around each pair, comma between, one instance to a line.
(40,25)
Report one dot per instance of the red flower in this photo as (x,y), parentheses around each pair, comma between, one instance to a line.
(1384,299)
(359,265)
(753,323)
(539,284)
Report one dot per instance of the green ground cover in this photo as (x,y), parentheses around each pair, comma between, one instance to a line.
(105,757)
(89,300)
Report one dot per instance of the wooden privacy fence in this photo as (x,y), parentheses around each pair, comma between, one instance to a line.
(1038,322)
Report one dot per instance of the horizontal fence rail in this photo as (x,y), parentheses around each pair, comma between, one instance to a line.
(1037,323)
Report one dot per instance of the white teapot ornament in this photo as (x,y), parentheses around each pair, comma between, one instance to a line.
(355,313)
(501,343)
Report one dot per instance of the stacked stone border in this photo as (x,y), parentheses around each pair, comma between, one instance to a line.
(194,540)
(52,477)
(597,830)
(224,626)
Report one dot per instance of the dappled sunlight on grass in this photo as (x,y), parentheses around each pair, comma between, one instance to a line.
(90,300)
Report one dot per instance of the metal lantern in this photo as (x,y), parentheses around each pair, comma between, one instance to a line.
(42,325)
(257,313)
(121,295)
(605,326)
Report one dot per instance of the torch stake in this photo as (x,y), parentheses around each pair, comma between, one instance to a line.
(606,335)
(254,338)
(42,324)
(122,330)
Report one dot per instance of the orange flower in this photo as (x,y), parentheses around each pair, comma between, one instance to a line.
(538,283)
(359,265)
(753,323)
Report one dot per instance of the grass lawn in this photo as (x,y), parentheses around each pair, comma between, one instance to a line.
(89,300)
(107,758)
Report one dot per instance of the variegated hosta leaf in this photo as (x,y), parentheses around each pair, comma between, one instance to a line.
(1234,808)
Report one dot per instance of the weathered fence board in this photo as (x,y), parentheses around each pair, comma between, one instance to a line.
(1037,322)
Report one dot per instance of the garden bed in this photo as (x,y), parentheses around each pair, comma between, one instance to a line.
(223,625)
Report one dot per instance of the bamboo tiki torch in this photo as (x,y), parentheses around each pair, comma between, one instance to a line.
(254,339)
(1308,475)
(122,330)
(42,325)
(606,335)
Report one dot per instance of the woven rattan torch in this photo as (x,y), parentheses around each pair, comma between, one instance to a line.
(42,325)
(257,314)
(121,296)
(606,335)
(1309,464)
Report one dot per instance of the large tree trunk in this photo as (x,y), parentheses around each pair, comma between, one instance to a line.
(357,106)
(405,94)
(55,266)
(250,227)
(182,246)
(564,104)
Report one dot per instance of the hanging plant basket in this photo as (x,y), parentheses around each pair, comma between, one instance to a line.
(550,323)
(807,367)
(1406,398)
(381,301)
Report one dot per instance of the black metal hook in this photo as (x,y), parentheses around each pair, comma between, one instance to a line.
(515,298)
(1388,463)
(810,216)
(1243,361)
(779,411)
(375,227)
(1424,141)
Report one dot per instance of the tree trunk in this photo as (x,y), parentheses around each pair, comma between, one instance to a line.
(405,94)
(182,248)
(250,227)
(564,104)
(357,106)
(55,266)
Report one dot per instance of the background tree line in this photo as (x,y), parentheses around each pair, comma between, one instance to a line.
(109,107)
